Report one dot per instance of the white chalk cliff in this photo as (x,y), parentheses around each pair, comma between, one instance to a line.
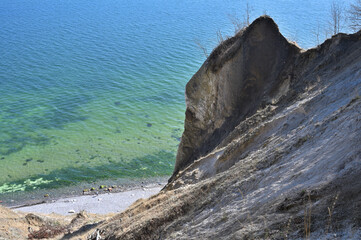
(271,147)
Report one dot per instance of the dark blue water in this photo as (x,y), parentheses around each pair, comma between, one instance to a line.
(95,89)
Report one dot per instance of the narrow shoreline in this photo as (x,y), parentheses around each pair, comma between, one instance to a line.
(18,200)
(103,203)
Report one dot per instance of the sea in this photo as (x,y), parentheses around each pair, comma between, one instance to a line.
(93,90)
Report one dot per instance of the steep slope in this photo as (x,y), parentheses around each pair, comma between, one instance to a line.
(30,226)
(271,147)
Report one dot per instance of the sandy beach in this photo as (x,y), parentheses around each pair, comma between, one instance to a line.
(99,204)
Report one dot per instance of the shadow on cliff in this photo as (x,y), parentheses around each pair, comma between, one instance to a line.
(241,75)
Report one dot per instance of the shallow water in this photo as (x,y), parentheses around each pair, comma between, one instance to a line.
(94,90)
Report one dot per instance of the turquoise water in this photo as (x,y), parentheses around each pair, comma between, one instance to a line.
(94,90)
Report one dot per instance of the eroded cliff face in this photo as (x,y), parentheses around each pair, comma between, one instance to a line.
(271,147)
(242,74)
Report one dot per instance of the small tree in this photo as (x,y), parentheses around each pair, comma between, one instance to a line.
(355,15)
(237,23)
(336,17)
(317,34)
(219,37)
(248,13)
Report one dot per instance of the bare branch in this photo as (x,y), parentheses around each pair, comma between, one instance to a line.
(355,15)
(198,43)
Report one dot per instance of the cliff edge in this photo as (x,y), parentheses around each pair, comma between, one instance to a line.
(241,75)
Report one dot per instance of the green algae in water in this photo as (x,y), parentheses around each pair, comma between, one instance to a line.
(103,139)
(24,185)
(159,164)
(24,118)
